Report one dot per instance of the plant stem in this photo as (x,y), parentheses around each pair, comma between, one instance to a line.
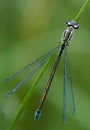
(28,95)
(81,10)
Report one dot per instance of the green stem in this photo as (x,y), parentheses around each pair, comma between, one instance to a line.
(28,95)
(81,10)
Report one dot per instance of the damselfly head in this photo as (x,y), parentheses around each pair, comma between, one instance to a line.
(74,24)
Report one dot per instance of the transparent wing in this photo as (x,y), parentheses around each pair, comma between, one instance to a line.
(28,68)
(65,85)
(68,91)
(31,68)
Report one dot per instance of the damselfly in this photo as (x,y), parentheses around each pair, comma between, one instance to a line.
(33,67)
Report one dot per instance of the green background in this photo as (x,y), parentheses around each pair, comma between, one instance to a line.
(29,29)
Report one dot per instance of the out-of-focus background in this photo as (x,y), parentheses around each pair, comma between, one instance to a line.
(29,29)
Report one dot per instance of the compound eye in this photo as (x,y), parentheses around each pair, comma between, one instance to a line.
(76,26)
(73,24)
(69,23)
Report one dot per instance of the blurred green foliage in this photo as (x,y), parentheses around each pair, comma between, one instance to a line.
(28,29)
